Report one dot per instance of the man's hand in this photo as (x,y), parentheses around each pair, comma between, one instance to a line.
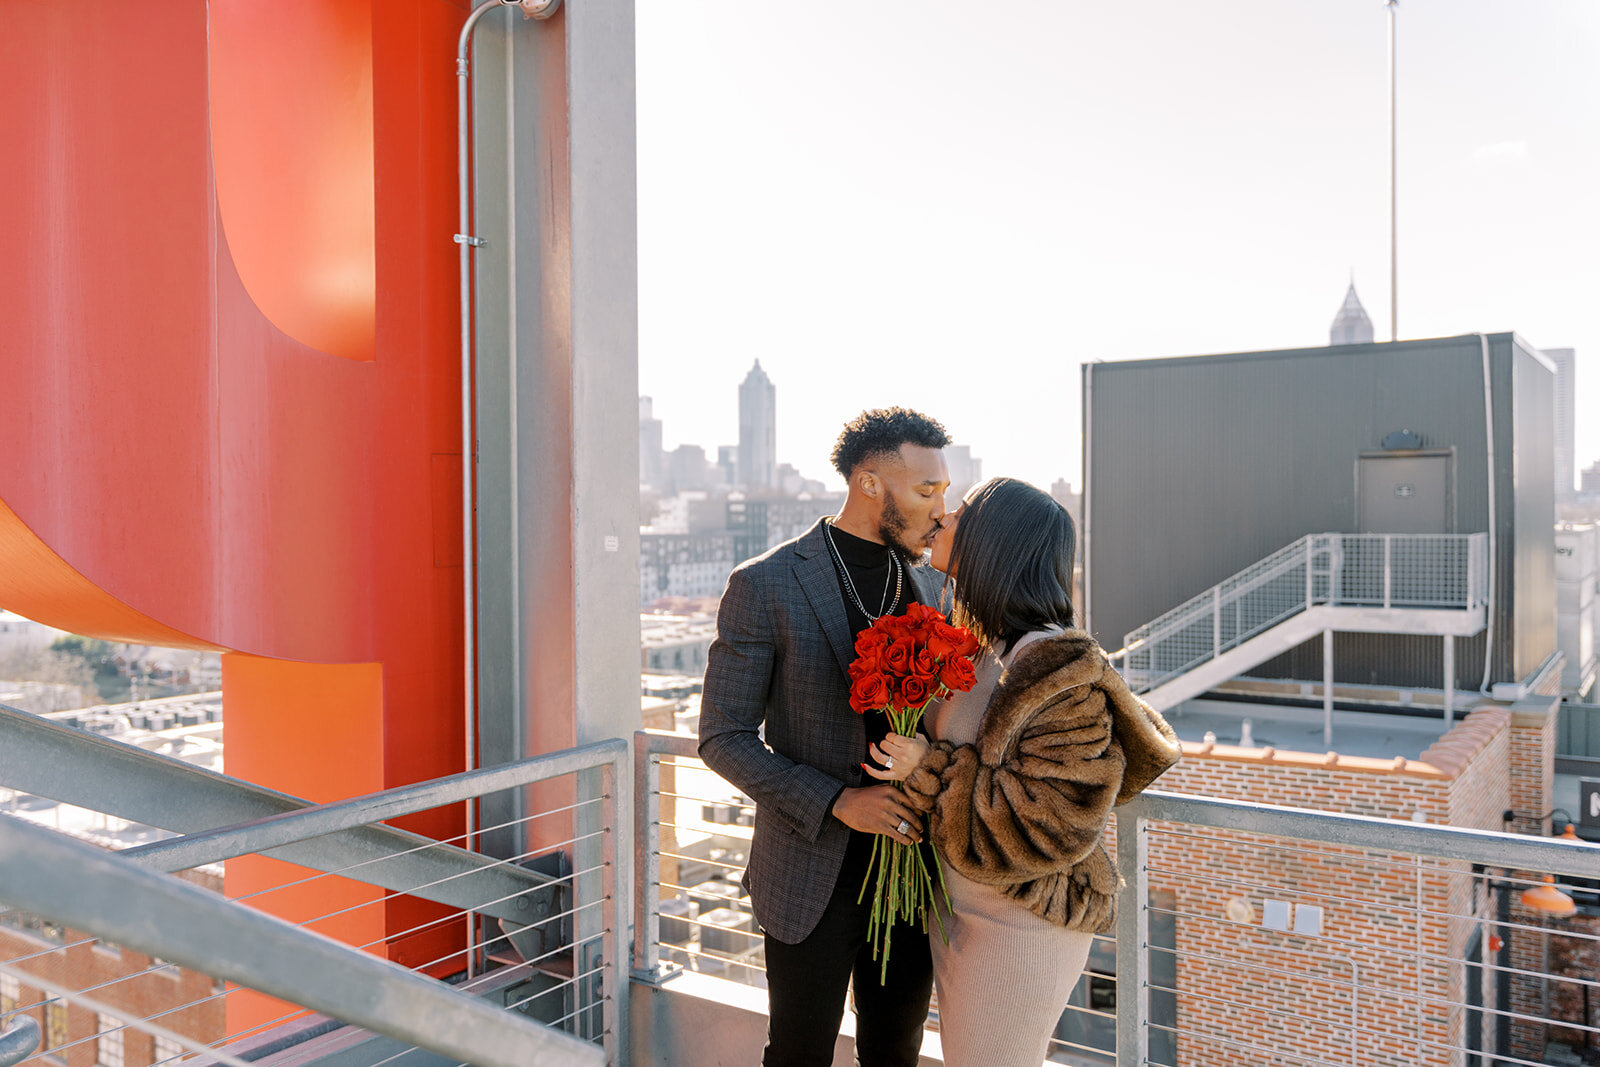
(879,809)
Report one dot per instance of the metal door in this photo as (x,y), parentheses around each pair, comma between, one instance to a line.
(1407,492)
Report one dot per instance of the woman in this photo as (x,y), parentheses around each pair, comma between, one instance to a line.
(1022,772)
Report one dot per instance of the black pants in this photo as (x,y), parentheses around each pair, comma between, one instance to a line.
(806,986)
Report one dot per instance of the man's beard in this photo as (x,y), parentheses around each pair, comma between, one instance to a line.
(892,528)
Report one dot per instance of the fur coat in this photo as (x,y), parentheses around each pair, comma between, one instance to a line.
(1024,808)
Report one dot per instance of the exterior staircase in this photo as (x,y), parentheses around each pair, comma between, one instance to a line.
(1364,583)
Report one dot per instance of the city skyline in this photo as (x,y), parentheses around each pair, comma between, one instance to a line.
(664,470)
(892,234)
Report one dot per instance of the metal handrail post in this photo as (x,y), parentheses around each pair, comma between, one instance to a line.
(1479,545)
(615,981)
(647,860)
(1216,621)
(1310,587)
(1335,568)
(1388,569)
(648,747)
(1133,938)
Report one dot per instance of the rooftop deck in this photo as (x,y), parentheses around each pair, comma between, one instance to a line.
(1248,933)
(1371,734)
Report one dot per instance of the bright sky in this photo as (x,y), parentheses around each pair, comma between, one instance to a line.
(953,205)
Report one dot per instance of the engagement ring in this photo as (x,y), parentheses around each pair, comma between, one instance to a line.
(888,764)
(903,827)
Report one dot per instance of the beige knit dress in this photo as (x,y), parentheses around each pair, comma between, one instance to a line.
(1005,977)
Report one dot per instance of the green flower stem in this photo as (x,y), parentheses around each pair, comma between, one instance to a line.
(902,886)
(877,839)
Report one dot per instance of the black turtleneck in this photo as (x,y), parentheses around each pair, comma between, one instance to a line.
(870,568)
(873,575)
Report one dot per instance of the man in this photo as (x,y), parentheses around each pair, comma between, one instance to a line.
(785,638)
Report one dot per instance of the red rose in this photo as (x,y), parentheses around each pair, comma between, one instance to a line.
(897,657)
(894,626)
(944,639)
(869,691)
(957,674)
(913,692)
(865,665)
(969,644)
(925,665)
(871,640)
(920,620)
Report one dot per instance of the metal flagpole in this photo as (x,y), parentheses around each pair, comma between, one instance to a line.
(1394,268)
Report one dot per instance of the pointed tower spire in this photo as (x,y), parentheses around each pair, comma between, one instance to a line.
(1351,326)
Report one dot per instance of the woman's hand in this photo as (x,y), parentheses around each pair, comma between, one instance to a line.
(899,756)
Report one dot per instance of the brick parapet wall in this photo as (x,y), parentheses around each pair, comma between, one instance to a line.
(1531,763)
(1393,927)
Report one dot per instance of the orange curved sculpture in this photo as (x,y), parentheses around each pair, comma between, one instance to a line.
(229,385)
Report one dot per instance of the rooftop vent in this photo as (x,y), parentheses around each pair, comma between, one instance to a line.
(1400,440)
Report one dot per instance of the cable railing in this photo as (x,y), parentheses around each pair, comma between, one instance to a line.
(1308,937)
(1247,934)
(150,954)
(690,913)
(693,841)
(1378,572)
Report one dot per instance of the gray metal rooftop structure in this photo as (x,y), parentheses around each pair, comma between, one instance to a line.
(1196,468)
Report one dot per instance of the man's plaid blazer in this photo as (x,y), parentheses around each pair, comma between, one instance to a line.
(779,661)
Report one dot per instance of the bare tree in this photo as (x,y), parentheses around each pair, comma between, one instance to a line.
(47,665)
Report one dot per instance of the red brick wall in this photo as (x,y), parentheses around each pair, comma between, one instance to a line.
(1532,761)
(1253,997)
(1578,956)
(93,964)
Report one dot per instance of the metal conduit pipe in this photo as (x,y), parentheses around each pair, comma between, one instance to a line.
(1488,425)
(1085,620)
(467,241)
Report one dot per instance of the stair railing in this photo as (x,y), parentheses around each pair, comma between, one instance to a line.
(1385,571)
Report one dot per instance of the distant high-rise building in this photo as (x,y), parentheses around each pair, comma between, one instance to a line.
(1061,490)
(687,469)
(650,458)
(728,462)
(1591,478)
(1566,415)
(758,430)
(966,471)
(1351,326)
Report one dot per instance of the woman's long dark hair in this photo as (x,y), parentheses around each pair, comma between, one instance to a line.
(1012,562)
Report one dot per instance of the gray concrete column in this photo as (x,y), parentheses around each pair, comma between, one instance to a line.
(557,351)
(558,454)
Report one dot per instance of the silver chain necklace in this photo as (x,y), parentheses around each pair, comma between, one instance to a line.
(885,605)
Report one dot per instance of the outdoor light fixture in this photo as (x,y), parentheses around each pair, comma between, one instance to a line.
(1546,899)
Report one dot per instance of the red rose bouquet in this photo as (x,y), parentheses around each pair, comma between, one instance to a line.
(904,663)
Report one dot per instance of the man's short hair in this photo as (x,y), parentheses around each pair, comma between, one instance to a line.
(882,431)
